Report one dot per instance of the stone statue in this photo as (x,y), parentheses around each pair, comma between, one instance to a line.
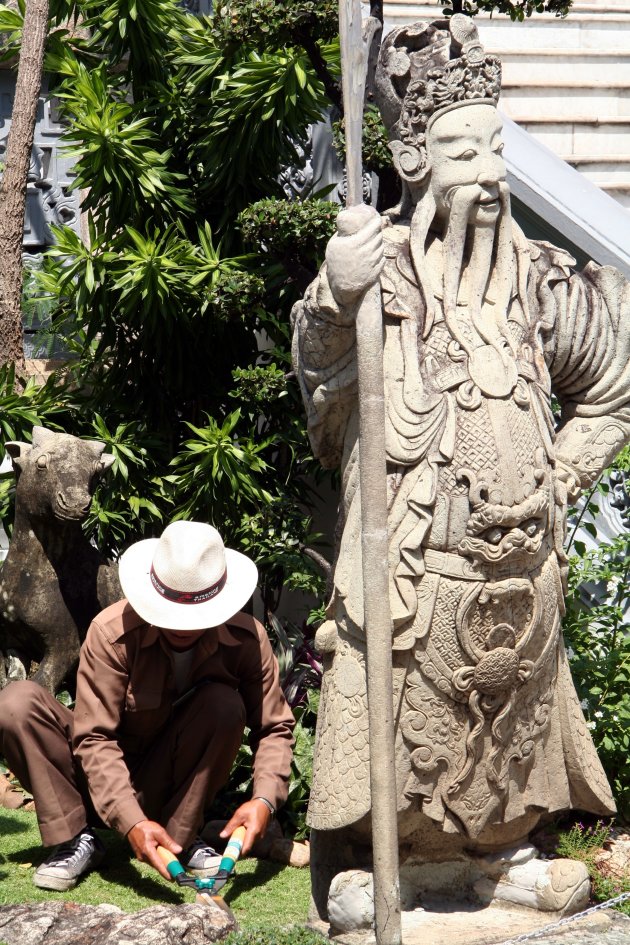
(481,325)
(53,580)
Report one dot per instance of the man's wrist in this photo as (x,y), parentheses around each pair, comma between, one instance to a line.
(267,803)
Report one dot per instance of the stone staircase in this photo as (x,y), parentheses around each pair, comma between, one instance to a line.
(566,81)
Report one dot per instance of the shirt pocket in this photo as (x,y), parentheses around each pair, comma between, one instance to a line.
(143,699)
(147,711)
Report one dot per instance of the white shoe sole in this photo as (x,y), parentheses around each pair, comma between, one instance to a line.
(206,873)
(62,883)
(56,883)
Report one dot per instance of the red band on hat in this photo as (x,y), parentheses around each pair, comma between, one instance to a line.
(187,597)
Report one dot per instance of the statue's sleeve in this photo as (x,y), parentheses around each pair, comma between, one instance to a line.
(325,362)
(588,354)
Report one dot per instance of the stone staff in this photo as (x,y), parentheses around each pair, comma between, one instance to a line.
(355,46)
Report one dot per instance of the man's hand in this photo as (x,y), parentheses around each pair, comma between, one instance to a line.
(145,837)
(354,256)
(254,815)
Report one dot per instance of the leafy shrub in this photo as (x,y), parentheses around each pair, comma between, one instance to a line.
(289,228)
(174,124)
(582,843)
(517,10)
(300,676)
(598,644)
(375,148)
(262,21)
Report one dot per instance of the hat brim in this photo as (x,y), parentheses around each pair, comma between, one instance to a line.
(134,570)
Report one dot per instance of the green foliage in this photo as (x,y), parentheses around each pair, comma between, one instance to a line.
(178,335)
(517,10)
(285,229)
(300,677)
(217,469)
(118,157)
(11,24)
(598,644)
(34,405)
(261,105)
(264,22)
(293,814)
(582,842)
(375,146)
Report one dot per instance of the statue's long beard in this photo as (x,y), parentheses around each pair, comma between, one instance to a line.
(490,253)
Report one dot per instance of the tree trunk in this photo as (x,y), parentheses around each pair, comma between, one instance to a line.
(13,186)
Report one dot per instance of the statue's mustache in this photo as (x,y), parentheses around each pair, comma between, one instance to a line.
(495,234)
(463,201)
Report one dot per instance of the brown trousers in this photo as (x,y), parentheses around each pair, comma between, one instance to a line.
(175,781)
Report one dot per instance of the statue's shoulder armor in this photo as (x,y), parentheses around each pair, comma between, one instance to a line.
(395,238)
(551,262)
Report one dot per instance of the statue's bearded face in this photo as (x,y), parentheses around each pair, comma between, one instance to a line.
(464,149)
(465,203)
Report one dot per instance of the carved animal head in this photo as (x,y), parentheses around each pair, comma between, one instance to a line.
(57,474)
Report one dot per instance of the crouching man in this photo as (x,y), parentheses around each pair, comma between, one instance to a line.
(168,679)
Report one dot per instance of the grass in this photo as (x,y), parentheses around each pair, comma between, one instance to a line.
(261,894)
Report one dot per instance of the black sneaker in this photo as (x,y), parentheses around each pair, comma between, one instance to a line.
(69,861)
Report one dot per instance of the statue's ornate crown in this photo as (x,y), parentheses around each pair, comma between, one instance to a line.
(426,69)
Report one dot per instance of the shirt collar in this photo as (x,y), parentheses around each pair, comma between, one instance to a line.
(208,643)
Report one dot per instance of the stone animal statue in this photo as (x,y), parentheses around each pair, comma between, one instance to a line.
(480,326)
(53,581)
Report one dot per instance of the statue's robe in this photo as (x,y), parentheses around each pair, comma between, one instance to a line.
(489,728)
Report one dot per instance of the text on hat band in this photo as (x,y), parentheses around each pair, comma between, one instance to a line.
(188,597)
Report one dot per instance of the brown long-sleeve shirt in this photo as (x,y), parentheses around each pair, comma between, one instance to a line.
(126,688)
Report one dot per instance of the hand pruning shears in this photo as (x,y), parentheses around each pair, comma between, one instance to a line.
(207,888)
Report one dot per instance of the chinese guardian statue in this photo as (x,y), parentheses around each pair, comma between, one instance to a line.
(481,326)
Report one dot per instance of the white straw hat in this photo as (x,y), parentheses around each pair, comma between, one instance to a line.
(186,579)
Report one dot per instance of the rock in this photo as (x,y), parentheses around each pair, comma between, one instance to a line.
(613,861)
(290,852)
(11,797)
(67,923)
(496,864)
(547,885)
(350,901)
(449,879)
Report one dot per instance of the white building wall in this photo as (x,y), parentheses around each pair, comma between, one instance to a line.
(567,81)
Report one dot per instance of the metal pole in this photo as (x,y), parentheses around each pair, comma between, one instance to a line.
(374,540)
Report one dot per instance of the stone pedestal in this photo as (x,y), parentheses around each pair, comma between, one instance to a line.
(502,891)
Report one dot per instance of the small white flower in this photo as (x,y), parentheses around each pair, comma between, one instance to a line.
(584,705)
(570,653)
(598,714)
(590,725)
(615,718)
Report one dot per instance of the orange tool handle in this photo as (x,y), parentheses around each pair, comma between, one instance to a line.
(233,850)
(171,862)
